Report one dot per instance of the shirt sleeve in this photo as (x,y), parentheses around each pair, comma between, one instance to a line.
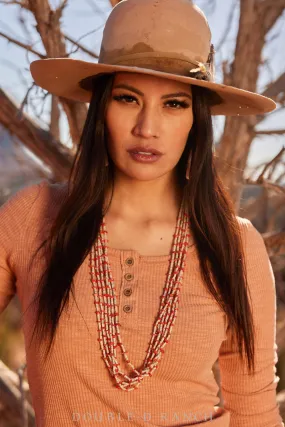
(13,216)
(251,399)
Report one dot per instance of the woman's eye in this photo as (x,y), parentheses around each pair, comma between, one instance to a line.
(178,104)
(125,98)
(129,99)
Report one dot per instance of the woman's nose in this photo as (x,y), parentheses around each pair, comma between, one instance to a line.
(147,124)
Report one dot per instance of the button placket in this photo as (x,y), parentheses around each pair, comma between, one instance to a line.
(127,308)
(130,261)
(129,276)
(128,282)
(128,291)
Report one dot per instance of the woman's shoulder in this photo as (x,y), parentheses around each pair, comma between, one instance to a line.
(244,223)
(249,233)
(52,191)
(43,196)
(254,245)
(26,196)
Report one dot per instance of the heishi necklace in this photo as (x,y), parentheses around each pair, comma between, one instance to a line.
(106,307)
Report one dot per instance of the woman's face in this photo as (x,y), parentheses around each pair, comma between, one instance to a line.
(151,112)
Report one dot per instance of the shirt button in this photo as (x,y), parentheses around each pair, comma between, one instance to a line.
(129,276)
(127,292)
(129,261)
(127,308)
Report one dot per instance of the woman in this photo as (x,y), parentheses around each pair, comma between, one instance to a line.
(164,306)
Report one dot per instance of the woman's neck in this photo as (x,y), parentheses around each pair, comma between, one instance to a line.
(145,201)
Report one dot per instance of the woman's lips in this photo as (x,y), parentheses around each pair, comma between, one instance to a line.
(144,158)
(139,148)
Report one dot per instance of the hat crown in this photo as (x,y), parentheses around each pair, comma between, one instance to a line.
(164,38)
(139,29)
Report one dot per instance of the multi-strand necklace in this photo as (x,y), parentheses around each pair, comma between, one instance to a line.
(106,307)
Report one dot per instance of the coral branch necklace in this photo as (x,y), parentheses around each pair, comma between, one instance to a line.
(106,308)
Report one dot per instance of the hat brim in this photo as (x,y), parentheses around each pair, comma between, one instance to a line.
(61,76)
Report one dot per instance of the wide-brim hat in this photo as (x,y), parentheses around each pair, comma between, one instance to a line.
(164,38)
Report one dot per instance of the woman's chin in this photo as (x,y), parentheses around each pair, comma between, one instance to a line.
(140,174)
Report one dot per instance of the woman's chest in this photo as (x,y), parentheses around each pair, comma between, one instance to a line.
(152,239)
(195,336)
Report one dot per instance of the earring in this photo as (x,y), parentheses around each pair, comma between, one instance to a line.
(106,162)
(187,174)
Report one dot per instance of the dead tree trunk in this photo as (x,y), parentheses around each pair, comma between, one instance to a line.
(54,154)
(256,19)
(48,26)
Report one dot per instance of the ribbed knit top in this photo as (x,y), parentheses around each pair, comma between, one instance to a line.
(74,387)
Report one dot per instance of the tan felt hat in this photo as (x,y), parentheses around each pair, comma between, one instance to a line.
(165,38)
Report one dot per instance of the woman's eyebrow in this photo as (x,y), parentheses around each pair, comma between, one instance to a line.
(133,89)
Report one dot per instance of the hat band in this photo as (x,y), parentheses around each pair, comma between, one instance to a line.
(163,62)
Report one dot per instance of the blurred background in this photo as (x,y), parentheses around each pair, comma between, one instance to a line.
(39,134)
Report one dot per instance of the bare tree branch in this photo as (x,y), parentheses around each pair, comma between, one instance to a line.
(30,49)
(40,142)
(80,46)
(254,25)
(265,9)
(267,184)
(44,97)
(24,412)
(275,243)
(270,132)
(48,26)
(260,179)
(17,69)
(12,397)
(23,45)
(275,88)
(54,118)
(96,9)
(261,118)
(23,23)
(20,3)
(228,26)
(25,101)
(280,178)
(278,207)
(70,39)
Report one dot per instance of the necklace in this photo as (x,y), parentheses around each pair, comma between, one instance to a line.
(106,307)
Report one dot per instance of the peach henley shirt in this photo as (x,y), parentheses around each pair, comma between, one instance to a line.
(75,388)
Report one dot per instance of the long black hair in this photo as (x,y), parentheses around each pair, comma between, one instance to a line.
(214,225)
